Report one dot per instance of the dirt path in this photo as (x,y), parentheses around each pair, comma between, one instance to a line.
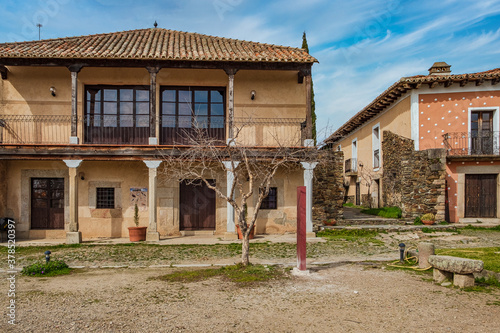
(344,298)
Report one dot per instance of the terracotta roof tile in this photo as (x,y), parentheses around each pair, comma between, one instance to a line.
(399,88)
(155,44)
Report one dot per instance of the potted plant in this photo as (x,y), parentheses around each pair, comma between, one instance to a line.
(330,222)
(428,219)
(137,233)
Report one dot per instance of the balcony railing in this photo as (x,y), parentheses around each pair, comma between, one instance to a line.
(351,165)
(472,143)
(56,129)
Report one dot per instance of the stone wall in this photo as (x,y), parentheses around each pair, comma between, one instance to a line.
(328,188)
(413,180)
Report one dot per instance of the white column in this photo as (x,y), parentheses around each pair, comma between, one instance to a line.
(230,166)
(308,183)
(73,235)
(152,234)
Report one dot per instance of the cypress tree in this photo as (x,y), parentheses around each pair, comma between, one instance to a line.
(313,104)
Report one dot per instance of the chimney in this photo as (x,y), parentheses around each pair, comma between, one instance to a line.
(440,68)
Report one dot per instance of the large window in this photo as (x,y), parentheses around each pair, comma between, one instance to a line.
(271,201)
(376,146)
(117,114)
(186,109)
(105,197)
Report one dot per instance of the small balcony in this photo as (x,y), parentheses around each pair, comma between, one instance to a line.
(351,166)
(479,143)
(107,130)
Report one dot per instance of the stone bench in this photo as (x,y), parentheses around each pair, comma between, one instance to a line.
(459,270)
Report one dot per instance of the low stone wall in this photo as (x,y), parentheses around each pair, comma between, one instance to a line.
(413,180)
(328,187)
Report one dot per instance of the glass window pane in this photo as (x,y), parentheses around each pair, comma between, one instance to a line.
(97,120)
(486,117)
(201,96)
(474,116)
(184,109)
(217,109)
(142,108)
(126,108)
(201,109)
(110,94)
(94,94)
(473,126)
(168,95)
(201,122)
(142,95)
(184,122)
(58,203)
(40,183)
(216,122)
(216,96)
(110,108)
(185,96)
(168,108)
(110,121)
(40,193)
(93,107)
(168,121)
(126,95)
(127,121)
(142,121)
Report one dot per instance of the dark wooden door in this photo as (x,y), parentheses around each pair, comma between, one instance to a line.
(480,195)
(47,203)
(358,194)
(481,125)
(197,206)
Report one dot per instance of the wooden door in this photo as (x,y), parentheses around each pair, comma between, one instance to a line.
(481,125)
(480,195)
(197,206)
(47,203)
(358,194)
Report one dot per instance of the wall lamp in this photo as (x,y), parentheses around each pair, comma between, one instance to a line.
(81,175)
(52,91)
(252,95)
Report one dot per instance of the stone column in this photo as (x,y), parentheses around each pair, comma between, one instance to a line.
(153,234)
(153,138)
(231,72)
(308,183)
(230,166)
(74,69)
(73,234)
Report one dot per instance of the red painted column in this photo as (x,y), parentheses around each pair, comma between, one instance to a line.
(301,228)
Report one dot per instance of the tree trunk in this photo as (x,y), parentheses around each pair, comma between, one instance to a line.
(245,245)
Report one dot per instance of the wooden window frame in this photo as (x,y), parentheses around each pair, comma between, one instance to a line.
(107,203)
(271,201)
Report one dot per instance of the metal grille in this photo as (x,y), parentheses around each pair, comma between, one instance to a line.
(271,201)
(105,197)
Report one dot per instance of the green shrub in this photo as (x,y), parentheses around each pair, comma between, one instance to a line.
(388,212)
(417,221)
(55,267)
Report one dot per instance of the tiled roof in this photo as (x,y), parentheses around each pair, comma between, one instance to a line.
(155,44)
(405,84)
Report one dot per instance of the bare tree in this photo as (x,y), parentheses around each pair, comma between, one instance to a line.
(204,158)
(367,176)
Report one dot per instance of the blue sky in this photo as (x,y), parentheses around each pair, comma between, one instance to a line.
(362,46)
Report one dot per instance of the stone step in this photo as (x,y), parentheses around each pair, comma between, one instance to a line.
(371,222)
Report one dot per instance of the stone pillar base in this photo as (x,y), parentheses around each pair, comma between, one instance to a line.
(74,237)
(310,235)
(441,276)
(463,280)
(230,236)
(153,236)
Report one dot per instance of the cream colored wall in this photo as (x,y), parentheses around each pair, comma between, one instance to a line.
(278,95)
(397,120)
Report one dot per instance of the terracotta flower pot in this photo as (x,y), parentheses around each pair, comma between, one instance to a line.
(240,235)
(137,234)
(428,222)
(330,222)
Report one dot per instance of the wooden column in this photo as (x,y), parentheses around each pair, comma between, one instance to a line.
(73,234)
(308,80)
(152,234)
(153,140)
(74,69)
(231,72)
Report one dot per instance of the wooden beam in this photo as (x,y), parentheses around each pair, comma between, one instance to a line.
(3,72)
(231,72)
(495,81)
(433,84)
(464,82)
(418,85)
(74,69)
(152,100)
(479,82)
(448,83)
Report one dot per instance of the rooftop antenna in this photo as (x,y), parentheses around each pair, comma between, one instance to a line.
(39,27)
(155,24)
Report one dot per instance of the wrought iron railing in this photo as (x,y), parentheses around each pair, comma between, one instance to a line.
(28,129)
(472,143)
(351,165)
(97,130)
